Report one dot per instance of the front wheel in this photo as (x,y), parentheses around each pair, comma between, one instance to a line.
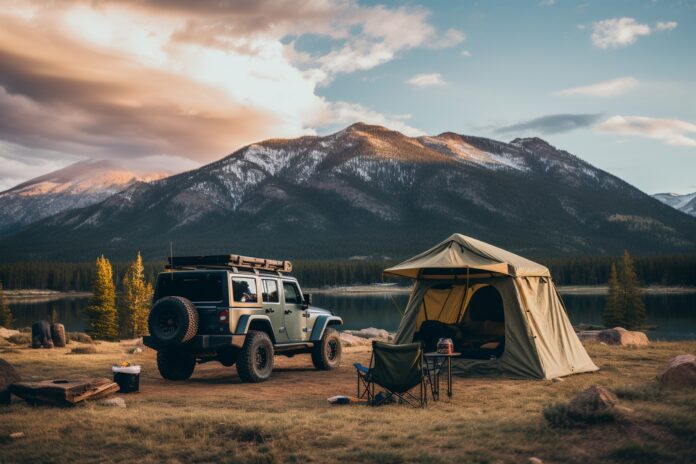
(255,361)
(175,365)
(326,354)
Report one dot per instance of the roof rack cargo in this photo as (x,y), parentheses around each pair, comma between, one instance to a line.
(228,261)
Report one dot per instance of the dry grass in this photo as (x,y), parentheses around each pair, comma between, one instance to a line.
(214,417)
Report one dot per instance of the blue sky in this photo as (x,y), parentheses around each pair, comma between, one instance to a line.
(521,53)
(170,85)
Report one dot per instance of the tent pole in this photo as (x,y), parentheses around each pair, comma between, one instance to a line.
(466,293)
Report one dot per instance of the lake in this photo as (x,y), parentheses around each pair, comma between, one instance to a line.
(673,314)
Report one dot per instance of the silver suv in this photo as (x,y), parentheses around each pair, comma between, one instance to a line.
(236,309)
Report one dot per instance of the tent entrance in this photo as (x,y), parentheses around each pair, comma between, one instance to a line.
(473,319)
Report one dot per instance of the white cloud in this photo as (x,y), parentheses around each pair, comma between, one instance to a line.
(136,79)
(671,131)
(547,2)
(621,32)
(426,80)
(466,53)
(617,32)
(603,89)
(666,25)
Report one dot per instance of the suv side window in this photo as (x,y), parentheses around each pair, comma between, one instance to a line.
(292,293)
(270,291)
(244,290)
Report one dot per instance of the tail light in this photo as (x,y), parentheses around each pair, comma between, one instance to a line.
(223,316)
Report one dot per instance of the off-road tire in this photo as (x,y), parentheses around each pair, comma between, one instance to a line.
(255,360)
(173,320)
(175,364)
(326,354)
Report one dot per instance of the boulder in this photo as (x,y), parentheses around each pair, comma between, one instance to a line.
(593,402)
(7,333)
(20,339)
(591,336)
(8,376)
(58,335)
(349,340)
(370,333)
(41,335)
(622,337)
(680,372)
(79,337)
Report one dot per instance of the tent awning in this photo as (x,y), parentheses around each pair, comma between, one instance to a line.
(462,252)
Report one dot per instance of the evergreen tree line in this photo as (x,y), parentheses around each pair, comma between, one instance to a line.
(108,320)
(589,270)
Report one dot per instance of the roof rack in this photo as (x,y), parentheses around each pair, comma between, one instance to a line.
(227,262)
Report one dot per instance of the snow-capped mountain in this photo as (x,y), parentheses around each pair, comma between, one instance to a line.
(75,186)
(684,203)
(367,190)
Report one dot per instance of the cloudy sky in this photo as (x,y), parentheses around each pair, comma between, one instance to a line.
(172,84)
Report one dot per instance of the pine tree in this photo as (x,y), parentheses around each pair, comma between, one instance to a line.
(634,308)
(614,310)
(135,304)
(5,313)
(101,312)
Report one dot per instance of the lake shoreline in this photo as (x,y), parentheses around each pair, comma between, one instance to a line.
(371,289)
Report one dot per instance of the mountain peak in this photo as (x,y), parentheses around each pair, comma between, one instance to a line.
(532,143)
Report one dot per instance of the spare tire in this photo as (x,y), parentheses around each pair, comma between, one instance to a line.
(173,320)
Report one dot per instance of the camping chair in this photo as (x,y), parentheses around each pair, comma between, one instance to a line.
(396,368)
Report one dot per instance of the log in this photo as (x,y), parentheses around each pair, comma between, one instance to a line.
(64,391)
(58,335)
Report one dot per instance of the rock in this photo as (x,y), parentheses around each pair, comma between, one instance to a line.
(16,435)
(136,350)
(58,335)
(8,376)
(370,333)
(680,372)
(115,402)
(589,336)
(41,335)
(80,337)
(622,337)
(20,339)
(594,401)
(534,460)
(349,340)
(7,333)
(84,349)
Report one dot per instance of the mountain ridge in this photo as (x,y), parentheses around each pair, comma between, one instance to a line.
(368,190)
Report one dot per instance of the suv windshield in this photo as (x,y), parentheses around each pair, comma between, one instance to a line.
(198,286)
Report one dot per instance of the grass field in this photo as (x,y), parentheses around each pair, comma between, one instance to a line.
(215,418)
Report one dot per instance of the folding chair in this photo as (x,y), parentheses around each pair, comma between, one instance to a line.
(398,369)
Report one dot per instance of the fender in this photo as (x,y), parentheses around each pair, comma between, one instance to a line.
(246,319)
(320,326)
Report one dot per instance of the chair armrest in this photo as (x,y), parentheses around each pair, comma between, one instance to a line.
(361,369)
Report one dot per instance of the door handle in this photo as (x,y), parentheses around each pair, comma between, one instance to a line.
(270,310)
(288,311)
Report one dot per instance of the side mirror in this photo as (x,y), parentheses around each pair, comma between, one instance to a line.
(307,300)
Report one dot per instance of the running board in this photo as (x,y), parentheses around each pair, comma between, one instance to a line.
(281,347)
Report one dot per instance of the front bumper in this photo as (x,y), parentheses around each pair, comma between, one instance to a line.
(199,342)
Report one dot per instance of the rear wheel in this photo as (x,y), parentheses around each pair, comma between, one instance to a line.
(255,361)
(173,320)
(175,364)
(326,354)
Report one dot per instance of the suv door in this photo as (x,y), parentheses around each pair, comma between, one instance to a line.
(273,308)
(293,313)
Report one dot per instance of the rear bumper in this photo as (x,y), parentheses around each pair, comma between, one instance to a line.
(200,342)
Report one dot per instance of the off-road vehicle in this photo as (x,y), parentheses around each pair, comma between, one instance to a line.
(236,309)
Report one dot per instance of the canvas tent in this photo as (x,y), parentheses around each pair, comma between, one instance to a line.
(503,310)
